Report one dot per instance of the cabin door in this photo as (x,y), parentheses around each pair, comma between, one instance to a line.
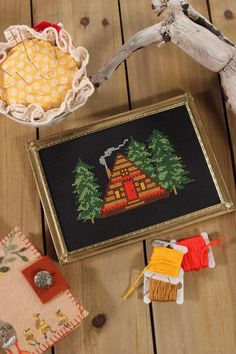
(130,190)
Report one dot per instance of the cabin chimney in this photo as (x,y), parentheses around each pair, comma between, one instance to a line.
(108,171)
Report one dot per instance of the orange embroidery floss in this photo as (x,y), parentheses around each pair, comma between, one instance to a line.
(162,291)
(197,256)
(163,260)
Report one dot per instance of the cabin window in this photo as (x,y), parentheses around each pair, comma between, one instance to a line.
(117,194)
(124,171)
(142,185)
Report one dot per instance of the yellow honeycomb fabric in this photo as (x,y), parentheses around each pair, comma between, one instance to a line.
(35,71)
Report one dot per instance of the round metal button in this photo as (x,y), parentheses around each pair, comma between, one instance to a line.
(43,279)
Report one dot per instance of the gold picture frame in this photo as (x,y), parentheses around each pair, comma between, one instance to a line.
(65,256)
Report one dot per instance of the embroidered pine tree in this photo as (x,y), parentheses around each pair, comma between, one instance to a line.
(87,192)
(169,168)
(141,157)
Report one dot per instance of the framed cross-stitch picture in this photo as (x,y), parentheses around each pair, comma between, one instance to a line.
(127,178)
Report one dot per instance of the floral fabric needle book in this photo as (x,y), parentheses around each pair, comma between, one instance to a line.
(37,308)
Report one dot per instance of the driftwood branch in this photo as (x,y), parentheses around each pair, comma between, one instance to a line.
(191,32)
(195,16)
(140,40)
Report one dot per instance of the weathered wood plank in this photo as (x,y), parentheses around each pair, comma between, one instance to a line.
(100,281)
(205,323)
(19,199)
(20,202)
(223,15)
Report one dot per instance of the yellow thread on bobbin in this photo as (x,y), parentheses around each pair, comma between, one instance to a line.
(165,261)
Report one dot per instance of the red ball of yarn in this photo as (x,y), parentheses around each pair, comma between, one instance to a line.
(42,25)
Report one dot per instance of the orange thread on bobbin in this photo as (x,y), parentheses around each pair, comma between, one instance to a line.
(162,291)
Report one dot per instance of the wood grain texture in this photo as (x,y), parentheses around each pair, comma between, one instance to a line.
(206,322)
(101,41)
(207,319)
(100,281)
(20,202)
(223,14)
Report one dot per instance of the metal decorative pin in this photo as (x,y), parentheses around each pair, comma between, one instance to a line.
(43,279)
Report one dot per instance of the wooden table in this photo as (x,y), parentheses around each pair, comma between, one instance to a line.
(206,323)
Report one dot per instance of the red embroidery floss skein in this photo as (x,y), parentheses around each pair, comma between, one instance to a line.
(197,256)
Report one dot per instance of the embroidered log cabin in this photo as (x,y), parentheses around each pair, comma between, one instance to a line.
(129,187)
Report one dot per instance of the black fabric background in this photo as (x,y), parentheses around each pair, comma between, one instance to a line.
(60,160)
